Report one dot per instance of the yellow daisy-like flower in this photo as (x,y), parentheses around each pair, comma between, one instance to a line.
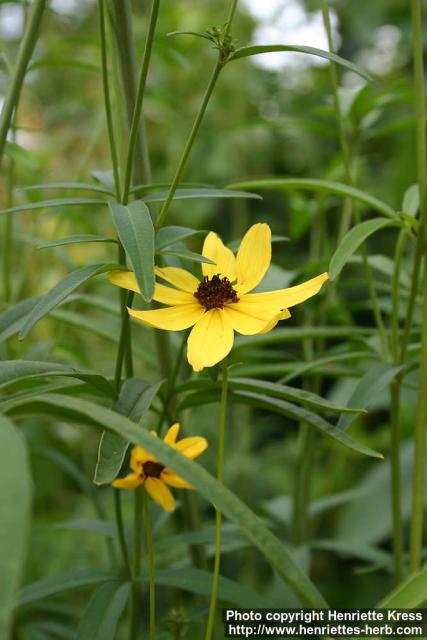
(148,471)
(221,303)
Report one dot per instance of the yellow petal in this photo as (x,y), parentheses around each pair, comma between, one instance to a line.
(172,434)
(210,340)
(283,315)
(191,447)
(159,492)
(137,458)
(174,318)
(174,481)
(225,262)
(244,322)
(180,278)
(272,302)
(131,481)
(124,279)
(253,257)
(167,295)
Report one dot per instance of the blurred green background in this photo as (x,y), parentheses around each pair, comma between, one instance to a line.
(270,116)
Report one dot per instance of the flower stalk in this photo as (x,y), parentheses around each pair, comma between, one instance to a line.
(416,536)
(218,517)
(150,554)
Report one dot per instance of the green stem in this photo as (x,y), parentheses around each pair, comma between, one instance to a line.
(134,620)
(196,125)
(122,28)
(302,483)
(219,475)
(107,98)
(396,479)
(416,270)
(24,54)
(416,536)
(120,531)
(189,144)
(150,553)
(346,156)
(123,350)
(8,233)
(136,117)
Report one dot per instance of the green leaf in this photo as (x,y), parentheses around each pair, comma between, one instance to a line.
(280,557)
(136,233)
(99,527)
(58,584)
(188,255)
(102,614)
(199,34)
(13,318)
(292,334)
(75,240)
(15,500)
(411,200)
(57,202)
(199,581)
(287,409)
(12,371)
(60,291)
(352,241)
(167,236)
(105,178)
(298,370)
(368,388)
(325,186)
(133,402)
(191,194)
(276,390)
(411,594)
(255,50)
(71,186)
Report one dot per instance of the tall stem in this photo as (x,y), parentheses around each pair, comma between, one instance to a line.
(122,28)
(416,536)
(24,54)
(150,553)
(219,475)
(137,112)
(121,532)
(346,156)
(189,144)
(107,98)
(134,619)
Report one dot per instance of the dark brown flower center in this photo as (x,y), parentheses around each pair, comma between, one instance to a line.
(152,469)
(215,292)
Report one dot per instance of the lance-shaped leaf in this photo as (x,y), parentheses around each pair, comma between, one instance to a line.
(12,371)
(167,236)
(245,52)
(61,291)
(136,232)
(101,616)
(134,401)
(323,186)
(352,241)
(192,194)
(56,202)
(279,555)
(15,500)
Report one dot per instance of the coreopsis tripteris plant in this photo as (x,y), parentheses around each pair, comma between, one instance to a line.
(221,303)
(146,470)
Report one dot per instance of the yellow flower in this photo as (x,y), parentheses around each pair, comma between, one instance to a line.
(155,477)
(221,303)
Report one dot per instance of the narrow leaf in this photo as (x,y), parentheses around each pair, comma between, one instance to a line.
(325,186)
(409,595)
(15,500)
(352,241)
(280,557)
(75,240)
(136,233)
(255,50)
(102,615)
(191,194)
(12,371)
(57,202)
(188,255)
(59,584)
(60,291)
(134,401)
